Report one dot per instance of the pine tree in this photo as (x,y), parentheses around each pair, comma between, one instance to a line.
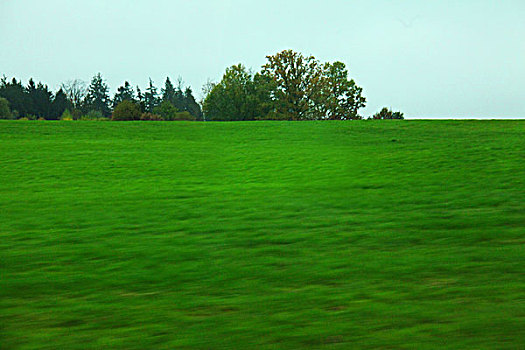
(179,100)
(168,92)
(124,92)
(17,96)
(191,105)
(30,91)
(41,99)
(140,99)
(151,99)
(97,97)
(59,105)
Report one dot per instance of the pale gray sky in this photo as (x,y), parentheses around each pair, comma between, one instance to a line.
(430,59)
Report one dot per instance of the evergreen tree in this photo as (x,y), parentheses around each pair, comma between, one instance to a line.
(168,92)
(97,97)
(140,99)
(151,98)
(59,105)
(124,92)
(17,96)
(178,100)
(191,105)
(41,99)
(31,92)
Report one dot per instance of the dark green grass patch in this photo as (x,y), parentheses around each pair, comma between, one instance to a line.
(263,235)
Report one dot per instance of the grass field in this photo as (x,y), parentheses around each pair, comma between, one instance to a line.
(262,235)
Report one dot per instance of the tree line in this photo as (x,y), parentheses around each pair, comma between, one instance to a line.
(289,86)
(77,100)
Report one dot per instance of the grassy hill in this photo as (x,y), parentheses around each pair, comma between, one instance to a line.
(262,235)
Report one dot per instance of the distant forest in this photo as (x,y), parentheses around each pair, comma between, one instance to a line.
(290,86)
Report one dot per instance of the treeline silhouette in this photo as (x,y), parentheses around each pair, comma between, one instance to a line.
(77,100)
(290,86)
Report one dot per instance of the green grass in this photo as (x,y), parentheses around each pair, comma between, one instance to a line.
(262,235)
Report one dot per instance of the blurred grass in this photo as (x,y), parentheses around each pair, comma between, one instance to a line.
(267,235)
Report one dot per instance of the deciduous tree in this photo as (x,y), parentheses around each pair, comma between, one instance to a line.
(238,96)
(75,91)
(297,86)
(341,98)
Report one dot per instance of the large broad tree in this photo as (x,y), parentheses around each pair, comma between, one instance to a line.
(238,96)
(341,98)
(305,89)
(297,84)
(97,97)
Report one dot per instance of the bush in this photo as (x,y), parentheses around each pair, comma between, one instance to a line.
(150,117)
(76,113)
(184,116)
(5,112)
(386,113)
(126,110)
(167,111)
(273,115)
(93,115)
(66,115)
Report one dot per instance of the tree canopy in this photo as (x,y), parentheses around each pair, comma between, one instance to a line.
(240,95)
(289,86)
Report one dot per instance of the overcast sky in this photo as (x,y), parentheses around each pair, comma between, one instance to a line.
(430,59)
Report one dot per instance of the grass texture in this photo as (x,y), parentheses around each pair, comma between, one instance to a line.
(262,235)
